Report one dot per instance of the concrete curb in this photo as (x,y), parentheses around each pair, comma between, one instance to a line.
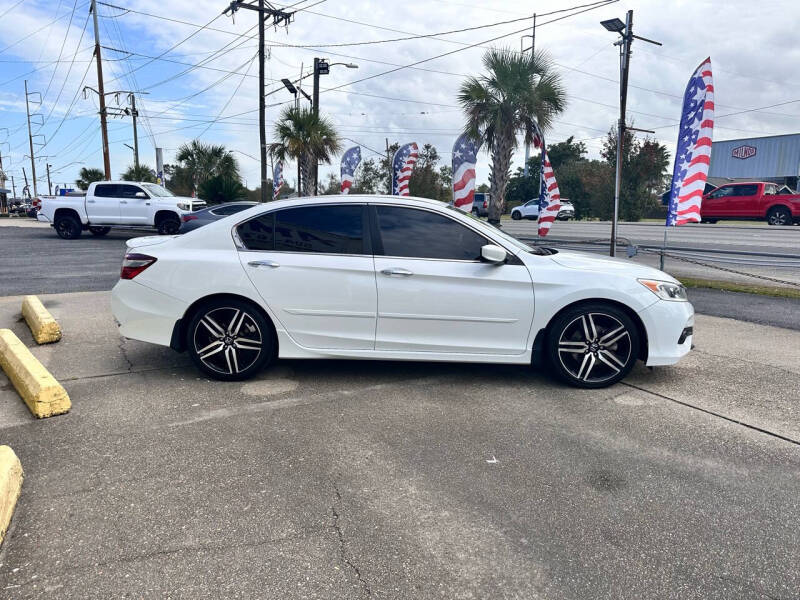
(44,396)
(44,327)
(11,477)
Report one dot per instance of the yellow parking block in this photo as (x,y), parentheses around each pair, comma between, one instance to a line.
(44,327)
(10,487)
(44,396)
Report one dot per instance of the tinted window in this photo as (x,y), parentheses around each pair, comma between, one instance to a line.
(722,192)
(128,191)
(324,229)
(106,190)
(745,190)
(229,209)
(257,234)
(422,234)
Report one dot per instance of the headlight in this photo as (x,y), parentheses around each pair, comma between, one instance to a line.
(184,206)
(665,289)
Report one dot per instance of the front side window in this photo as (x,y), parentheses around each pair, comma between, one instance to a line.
(128,191)
(318,229)
(413,233)
(722,192)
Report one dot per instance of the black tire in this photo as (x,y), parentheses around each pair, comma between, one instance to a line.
(710,221)
(476,213)
(99,231)
(230,339)
(67,227)
(516,215)
(578,348)
(779,215)
(169,225)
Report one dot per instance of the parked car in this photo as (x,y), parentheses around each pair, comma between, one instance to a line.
(529,210)
(108,204)
(752,201)
(198,218)
(305,278)
(567,211)
(480,204)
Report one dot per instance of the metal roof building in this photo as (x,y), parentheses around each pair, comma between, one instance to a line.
(773,158)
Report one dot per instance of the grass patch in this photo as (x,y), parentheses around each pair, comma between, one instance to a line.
(745,288)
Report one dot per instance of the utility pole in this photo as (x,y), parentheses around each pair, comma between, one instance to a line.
(30,140)
(278,17)
(49,186)
(315,108)
(389,159)
(3,198)
(533,53)
(13,187)
(134,114)
(100,93)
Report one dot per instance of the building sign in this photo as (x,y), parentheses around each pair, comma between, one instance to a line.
(743,152)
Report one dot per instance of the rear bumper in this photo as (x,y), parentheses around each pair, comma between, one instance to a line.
(42,218)
(667,337)
(145,314)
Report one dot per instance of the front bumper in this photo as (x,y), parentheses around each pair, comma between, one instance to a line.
(145,314)
(668,339)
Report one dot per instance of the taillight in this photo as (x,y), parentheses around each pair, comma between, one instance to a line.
(187,218)
(135,264)
(485,204)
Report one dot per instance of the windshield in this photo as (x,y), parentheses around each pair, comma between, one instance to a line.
(157,190)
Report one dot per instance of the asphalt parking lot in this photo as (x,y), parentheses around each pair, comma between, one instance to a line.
(404,480)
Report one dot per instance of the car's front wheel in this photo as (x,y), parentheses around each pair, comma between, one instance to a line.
(593,345)
(229,339)
(516,215)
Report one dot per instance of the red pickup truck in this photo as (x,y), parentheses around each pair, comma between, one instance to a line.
(750,200)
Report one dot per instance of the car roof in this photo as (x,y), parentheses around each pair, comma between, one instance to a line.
(355,199)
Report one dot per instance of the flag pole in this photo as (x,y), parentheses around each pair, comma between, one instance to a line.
(663,248)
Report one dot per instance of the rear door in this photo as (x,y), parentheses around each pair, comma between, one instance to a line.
(745,201)
(313,266)
(103,205)
(435,294)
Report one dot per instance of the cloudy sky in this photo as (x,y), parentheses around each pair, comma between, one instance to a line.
(206,86)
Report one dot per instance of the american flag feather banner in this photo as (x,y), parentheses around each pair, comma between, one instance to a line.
(402,167)
(350,161)
(693,152)
(277,179)
(465,152)
(549,195)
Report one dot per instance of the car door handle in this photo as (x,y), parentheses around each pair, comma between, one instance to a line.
(397,272)
(123,201)
(264,263)
(90,202)
(147,203)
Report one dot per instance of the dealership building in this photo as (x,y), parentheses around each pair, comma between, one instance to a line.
(774,158)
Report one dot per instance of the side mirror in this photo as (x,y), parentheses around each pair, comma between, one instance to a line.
(140,195)
(493,254)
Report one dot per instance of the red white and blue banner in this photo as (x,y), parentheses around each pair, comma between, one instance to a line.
(402,167)
(350,161)
(277,179)
(693,152)
(465,152)
(549,194)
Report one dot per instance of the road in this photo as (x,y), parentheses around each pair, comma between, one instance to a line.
(355,480)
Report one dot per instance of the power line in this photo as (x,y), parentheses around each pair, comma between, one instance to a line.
(43,27)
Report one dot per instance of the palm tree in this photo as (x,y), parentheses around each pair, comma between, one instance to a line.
(203,161)
(308,138)
(518,92)
(140,173)
(87,176)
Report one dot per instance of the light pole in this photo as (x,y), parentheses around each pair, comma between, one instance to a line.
(625,30)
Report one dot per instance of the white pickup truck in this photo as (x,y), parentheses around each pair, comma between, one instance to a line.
(108,204)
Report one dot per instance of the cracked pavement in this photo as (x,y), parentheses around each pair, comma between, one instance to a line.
(345,479)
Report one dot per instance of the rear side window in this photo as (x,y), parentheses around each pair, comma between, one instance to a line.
(229,209)
(319,229)
(413,233)
(106,190)
(745,190)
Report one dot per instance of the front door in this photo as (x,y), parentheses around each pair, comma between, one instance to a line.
(313,267)
(133,209)
(435,294)
(102,207)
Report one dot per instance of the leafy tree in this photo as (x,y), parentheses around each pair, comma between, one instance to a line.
(482,188)
(370,178)
(429,179)
(564,152)
(87,176)
(203,161)
(178,180)
(644,165)
(218,189)
(589,185)
(255,195)
(308,138)
(331,186)
(521,188)
(142,173)
(519,92)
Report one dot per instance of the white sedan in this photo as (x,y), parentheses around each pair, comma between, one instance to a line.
(378,277)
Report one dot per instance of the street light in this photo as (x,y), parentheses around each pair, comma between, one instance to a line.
(614,25)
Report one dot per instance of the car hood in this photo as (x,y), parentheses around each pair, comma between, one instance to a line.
(585,261)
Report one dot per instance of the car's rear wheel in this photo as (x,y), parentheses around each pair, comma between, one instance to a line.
(779,215)
(99,231)
(516,215)
(229,339)
(169,225)
(593,345)
(67,227)
(476,212)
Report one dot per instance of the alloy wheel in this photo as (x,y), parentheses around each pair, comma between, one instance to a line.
(228,340)
(594,347)
(779,217)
